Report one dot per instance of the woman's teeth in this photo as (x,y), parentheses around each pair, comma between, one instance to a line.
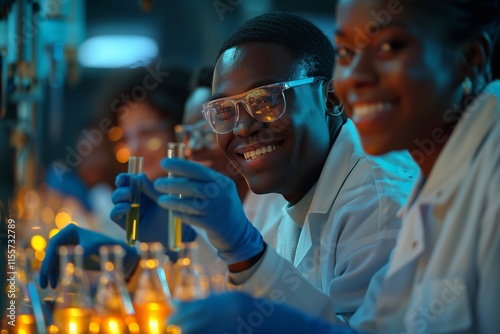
(258,152)
(370,110)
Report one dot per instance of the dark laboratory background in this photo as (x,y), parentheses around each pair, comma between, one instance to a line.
(57,71)
(49,92)
(61,59)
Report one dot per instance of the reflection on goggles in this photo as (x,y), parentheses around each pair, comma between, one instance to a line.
(195,135)
(265,104)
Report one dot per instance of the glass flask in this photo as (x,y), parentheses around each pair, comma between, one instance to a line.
(174,150)
(23,310)
(152,296)
(190,281)
(114,312)
(73,306)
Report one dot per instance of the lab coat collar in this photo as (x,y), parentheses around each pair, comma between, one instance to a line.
(459,151)
(347,144)
(343,157)
(445,176)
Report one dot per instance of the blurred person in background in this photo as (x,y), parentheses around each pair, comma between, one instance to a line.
(146,111)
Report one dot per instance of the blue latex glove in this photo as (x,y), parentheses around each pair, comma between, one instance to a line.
(152,217)
(90,242)
(236,312)
(210,200)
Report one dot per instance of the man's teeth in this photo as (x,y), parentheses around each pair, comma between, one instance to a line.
(369,110)
(259,152)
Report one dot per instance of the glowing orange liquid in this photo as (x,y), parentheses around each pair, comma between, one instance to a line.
(152,317)
(72,320)
(114,325)
(25,324)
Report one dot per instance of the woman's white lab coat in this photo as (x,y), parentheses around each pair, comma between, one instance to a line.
(444,274)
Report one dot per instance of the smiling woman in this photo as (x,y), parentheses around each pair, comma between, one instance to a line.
(423,83)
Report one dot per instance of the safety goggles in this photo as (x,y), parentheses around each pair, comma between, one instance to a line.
(265,104)
(196,135)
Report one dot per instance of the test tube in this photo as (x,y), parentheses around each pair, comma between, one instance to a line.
(174,150)
(135,166)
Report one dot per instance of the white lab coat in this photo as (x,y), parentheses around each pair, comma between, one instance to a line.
(444,274)
(253,205)
(349,232)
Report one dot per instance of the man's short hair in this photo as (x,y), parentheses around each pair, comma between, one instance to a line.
(306,42)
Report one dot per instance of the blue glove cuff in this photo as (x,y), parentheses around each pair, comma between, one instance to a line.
(246,247)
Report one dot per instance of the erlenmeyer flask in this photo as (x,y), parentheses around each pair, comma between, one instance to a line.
(24,312)
(151,298)
(114,312)
(73,306)
(190,281)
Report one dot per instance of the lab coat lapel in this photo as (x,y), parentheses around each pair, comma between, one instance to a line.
(411,241)
(458,152)
(343,157)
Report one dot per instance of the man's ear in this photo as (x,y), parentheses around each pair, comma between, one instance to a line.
(476,54)
(332,100)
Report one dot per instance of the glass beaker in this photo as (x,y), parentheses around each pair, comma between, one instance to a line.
(114,312)
(151,298)
(135,167)
(174,150)
(73,306)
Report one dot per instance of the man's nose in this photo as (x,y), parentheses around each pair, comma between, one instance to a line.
(245,123)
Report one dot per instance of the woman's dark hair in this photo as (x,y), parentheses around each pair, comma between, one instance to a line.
(469,18)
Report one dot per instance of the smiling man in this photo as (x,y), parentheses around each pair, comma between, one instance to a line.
(277,120)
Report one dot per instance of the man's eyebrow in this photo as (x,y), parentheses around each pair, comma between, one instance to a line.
(253,86)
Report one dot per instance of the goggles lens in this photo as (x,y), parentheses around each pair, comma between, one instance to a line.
(265,104)
(196,135)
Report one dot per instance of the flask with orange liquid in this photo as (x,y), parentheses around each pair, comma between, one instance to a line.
(73,306)
(114,312)
(152,296)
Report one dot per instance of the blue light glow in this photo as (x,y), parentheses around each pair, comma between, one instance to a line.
(116,51)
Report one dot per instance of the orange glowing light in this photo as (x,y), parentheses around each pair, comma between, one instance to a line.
(40,255)
(38,242)
(62,219)
(122,155)
(115,133)
(53,232)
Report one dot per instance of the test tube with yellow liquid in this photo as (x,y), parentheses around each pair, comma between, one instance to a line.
(135,167)
(174,150)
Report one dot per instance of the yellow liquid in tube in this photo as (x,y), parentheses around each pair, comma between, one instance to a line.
(132,224)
